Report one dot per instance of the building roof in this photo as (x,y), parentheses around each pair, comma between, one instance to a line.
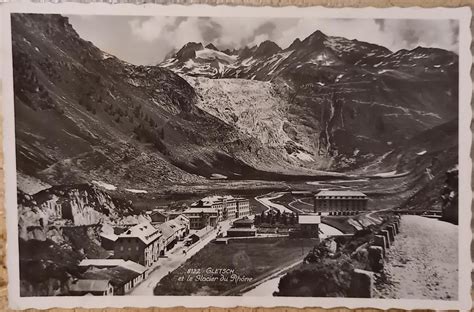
(216,199)
(202,232)
(133,266)
(89,285)
(309,219)
(182,222)
(175,212)
(146,232)
(168,229)
(176,225)
(156,211)
(110,236)
(101,262)
(243,221)
(200,209)
(182,218)
(340,193)
(118,276)
(104,263)
(241,230)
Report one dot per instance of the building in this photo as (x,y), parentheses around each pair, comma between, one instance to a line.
(170,237)
(175,213)
(340,201)
(214,202)
(224,207)
(198,235)
(308,225)
(230,207)
(107,240)
(121,286)
(102,263)
(122,278)
(242,228)
(201,217)
(158,216)
(174,230)
(243,208)
(184,226)
(95,287)
(141,243)
(110,263)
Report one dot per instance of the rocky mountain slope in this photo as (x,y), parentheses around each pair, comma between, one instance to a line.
(323,103)
(43,214)
(132,126)
(350,100)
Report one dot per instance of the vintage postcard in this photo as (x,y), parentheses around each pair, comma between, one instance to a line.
(231,156)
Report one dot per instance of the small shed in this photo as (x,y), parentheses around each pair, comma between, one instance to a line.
(309,225)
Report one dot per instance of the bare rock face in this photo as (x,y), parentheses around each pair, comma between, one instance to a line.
(42,216)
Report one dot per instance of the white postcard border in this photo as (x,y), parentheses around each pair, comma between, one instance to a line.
(465,165)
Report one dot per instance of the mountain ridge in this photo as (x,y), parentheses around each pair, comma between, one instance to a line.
(135,126)
(331,80)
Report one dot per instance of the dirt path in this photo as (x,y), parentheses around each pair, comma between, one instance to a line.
(423,261)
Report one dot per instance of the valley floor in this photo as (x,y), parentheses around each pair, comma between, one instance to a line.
(423,261)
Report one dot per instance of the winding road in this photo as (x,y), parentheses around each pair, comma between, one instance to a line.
(266,201)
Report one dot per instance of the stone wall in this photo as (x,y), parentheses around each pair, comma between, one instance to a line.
(362,282)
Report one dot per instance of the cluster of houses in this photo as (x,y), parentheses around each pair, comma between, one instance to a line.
(136,249)
(139,247)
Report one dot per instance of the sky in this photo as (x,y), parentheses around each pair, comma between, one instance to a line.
(145,40)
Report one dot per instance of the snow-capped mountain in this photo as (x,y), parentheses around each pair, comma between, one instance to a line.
(343,100)
(130,126)
(195,60)
(323,103)
(267,60)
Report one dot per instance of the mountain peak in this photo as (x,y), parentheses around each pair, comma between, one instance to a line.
(295,44)
(267,48)
(246,52)
(315,37)
(211,47)
(230,52)
(318,34)
(188,51)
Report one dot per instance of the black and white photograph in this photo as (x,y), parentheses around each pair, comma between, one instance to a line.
(242,158)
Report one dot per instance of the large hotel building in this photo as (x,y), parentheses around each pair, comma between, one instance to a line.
(340,201)
(210,210)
